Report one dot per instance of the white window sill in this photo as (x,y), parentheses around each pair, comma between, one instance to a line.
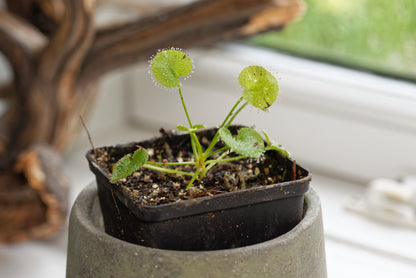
(358,246)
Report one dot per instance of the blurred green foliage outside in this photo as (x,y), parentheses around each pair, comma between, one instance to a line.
(374,35)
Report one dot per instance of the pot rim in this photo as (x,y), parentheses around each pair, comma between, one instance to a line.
(85,206)
(221,201)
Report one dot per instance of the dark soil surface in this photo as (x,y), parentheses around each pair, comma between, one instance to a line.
(152,188)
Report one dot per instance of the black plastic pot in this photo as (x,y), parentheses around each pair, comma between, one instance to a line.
(223,221)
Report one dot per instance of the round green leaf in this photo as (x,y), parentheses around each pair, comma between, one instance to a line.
(168,65)
(260,86)
(248,142)
(128,164)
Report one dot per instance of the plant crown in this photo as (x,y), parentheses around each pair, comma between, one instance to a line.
(260,90)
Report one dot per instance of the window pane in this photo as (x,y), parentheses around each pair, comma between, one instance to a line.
(375,35)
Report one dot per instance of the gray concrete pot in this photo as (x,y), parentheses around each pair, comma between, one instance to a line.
(93,253)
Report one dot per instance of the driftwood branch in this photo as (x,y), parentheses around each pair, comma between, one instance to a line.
(21,44)
(45,208)
(275,17)
(6,90)
(43,103)
(43,14)
(70,42)
(49,100)
(199,23)
(22,8)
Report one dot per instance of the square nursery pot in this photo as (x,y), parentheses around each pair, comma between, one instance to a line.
(223,221)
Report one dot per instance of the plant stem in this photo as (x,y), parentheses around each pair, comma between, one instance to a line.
(215,161)
(194,148)
(216,136)
(195,175)
(212,163)
(235,115)
(218,151)
(212,144)
(197,144)
(184,107)
(170,163)
(167,170)
(231,111)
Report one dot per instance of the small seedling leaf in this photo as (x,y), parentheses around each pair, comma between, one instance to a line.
(198,127)
(260,86)
(248,142)
(168,65)
(274,147)
(128,164)
(187,129)
(182,128)
(280,150)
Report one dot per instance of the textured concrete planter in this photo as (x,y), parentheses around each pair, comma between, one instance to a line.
(92,253)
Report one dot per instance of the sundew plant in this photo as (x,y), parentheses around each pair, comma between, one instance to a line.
(260,89)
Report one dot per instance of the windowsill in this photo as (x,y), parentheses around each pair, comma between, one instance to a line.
(357,246)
